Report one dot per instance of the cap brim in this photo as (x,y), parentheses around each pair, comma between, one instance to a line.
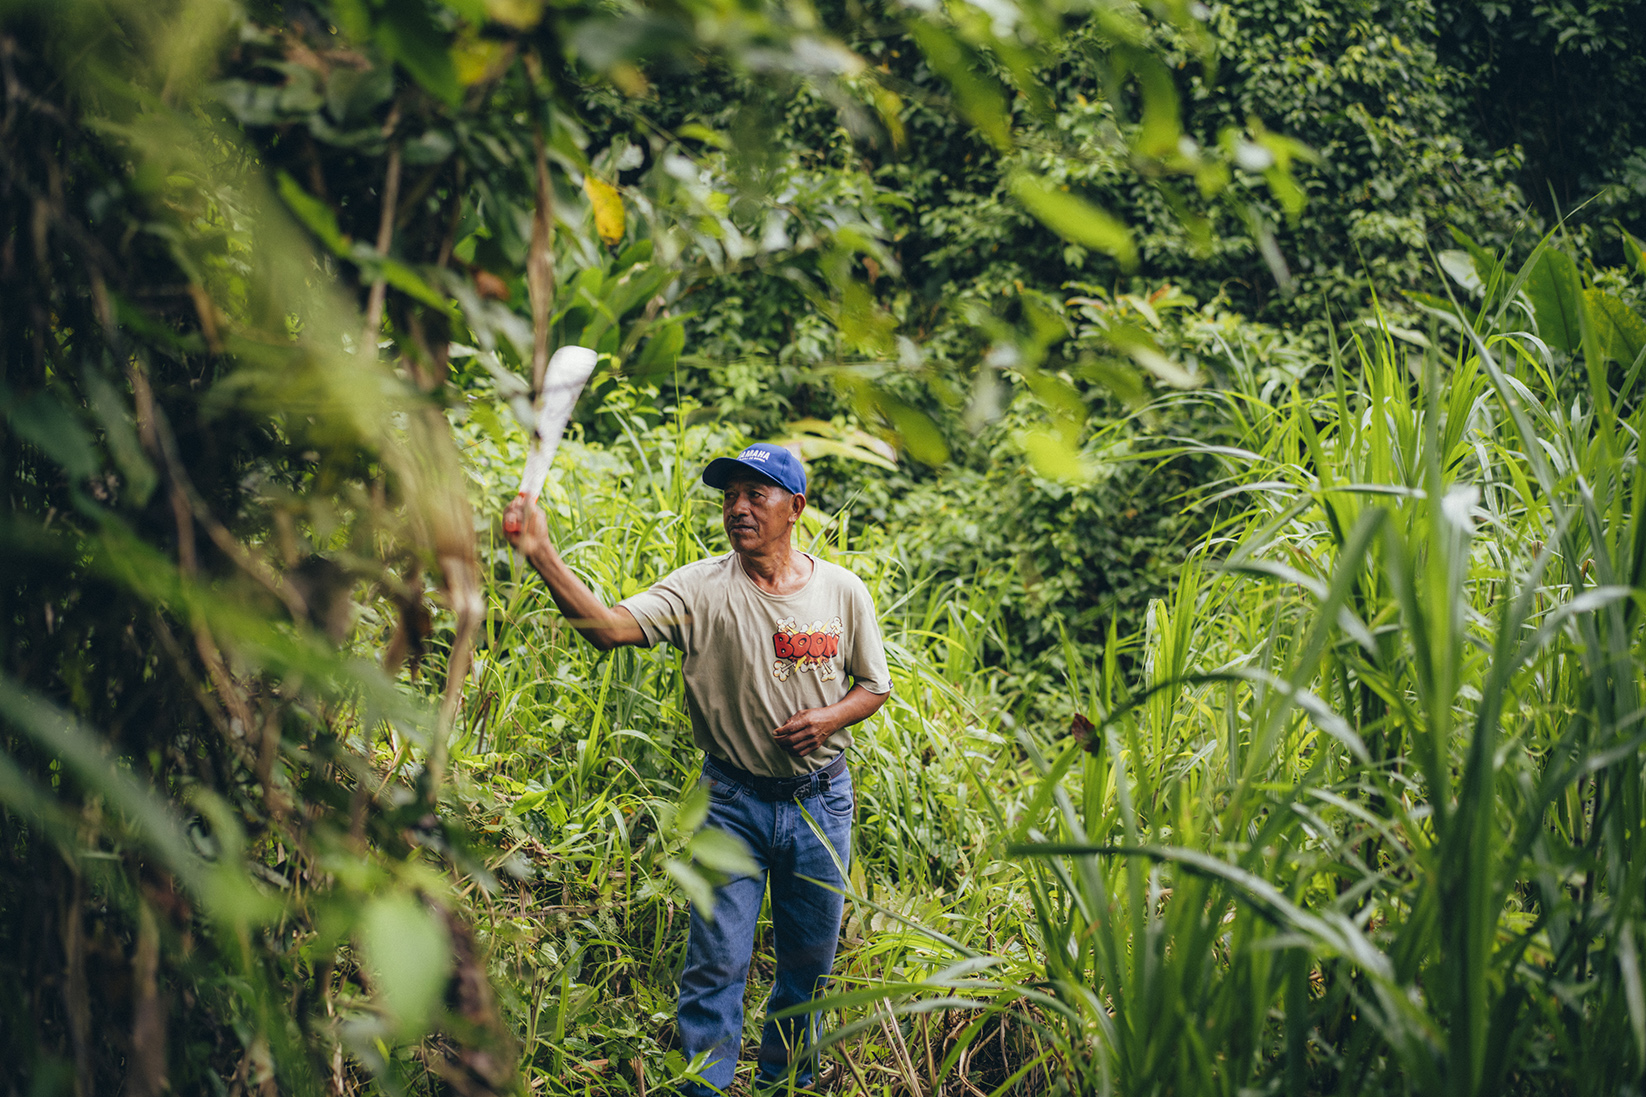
(721,470)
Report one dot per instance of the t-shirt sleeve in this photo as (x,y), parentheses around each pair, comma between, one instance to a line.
(664,611)
(866,648)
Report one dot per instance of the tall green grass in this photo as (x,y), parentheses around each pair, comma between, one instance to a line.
(1372,822)
(1366,817)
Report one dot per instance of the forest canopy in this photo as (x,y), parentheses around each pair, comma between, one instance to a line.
(1233,409)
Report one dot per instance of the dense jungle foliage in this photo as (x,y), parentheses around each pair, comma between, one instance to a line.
(1234,410)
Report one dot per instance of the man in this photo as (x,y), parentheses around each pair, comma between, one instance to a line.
(782,655)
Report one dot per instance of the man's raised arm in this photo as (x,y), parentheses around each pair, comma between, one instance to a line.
(600,624)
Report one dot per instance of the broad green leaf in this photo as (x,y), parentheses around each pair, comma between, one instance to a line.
(409,282)
(352,95)
(251,104)
(316,216)
(1060,397)
(1074,218)
(528,801)
(1143,349)
(1487,267)
(1286,191)
(636,288)
(866,325)
(233,899)
(696,131)
(662,350)
(474,11)
(477,58)
(1161,130)
(813,447)
(920,436)
(1634,252)
(301,95)
(519,14)
(890,109)
(485,415)
(410,38)
(1460,265)
(1054,457)
(718,851)
(1621,330)
(692,810)
(566,141)
(979,96)
(819,438)
(1211,177)
(1118,378)
(632,256)
(43,420)
(408,955)
(431,147)
(353,18)
(1281,151)
(1556,293)
(121,437)
(690,881)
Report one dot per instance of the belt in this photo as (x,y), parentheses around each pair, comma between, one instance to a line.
(777,789)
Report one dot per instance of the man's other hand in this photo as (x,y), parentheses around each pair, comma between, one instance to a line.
(526,526)
(805,731)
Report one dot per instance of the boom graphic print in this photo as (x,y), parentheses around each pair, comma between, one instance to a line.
(814,650)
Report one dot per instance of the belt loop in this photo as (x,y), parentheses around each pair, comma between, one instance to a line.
(823,782)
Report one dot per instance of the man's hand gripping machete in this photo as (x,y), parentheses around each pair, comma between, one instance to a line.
(568,372)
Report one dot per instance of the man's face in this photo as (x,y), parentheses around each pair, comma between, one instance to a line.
(758,514)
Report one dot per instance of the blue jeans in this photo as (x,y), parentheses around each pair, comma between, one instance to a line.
(805,923)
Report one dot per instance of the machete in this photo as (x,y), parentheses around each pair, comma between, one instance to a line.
(568,372)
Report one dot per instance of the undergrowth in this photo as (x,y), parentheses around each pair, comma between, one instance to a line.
(1363,819)
(578,765)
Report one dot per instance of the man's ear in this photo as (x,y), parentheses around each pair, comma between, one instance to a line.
(798,502)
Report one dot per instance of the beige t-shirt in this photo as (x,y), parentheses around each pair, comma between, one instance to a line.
(753,659)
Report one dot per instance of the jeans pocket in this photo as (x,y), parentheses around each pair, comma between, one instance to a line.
(722,791)
(839,800)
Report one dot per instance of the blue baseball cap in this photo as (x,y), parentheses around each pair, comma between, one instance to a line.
(767,461)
